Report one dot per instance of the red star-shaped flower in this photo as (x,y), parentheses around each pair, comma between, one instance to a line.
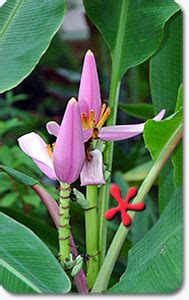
(123,205)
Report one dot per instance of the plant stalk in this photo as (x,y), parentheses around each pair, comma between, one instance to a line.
(119,238)
(64,221)
(80,279)
(108,158)
(52,206)
(91,229)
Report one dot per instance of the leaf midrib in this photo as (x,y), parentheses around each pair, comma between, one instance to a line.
(10,18)
(117,53)
(19,275)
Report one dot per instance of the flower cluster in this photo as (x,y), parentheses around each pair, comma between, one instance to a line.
(83,121)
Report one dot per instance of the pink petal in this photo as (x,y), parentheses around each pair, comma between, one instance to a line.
(92,172)
(160,116)
(69,152)
(122,132)
(89,90)
(53,128)
(87,134)
(34,146)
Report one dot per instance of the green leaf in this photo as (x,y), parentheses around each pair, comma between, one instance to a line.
(177,161)
(32,200)
(166,67)
(166,186)
(157,134)
(48,234)
(147,217)
(9,199)
(26,29)
(165,79)
(177,157)
(5,126)
(155,263)
(142,110)
(132,29)
(7,184)
(179,98)
(19,176)
(6,156)
(138,173)
(25,258)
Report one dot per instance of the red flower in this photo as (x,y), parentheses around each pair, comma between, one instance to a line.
(123,205)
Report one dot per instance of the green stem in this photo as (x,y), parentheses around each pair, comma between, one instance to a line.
(115,83)
(64,221)
(119,238)
(91,228)
(108,158)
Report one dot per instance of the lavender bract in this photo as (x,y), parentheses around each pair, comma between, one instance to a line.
(66,161)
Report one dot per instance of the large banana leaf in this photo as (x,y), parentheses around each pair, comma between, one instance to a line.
(166,67)
(47,233)
(26,29)
(132,29)
(165,79)
(27,265)
(155,263)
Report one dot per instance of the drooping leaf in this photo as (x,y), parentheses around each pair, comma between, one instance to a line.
(25,258)
(166,67)
(155,263)
(19,176)
(142,110)
(132,29)
(26,29)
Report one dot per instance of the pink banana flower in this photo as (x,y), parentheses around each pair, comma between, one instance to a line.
(66,161)
(93,116)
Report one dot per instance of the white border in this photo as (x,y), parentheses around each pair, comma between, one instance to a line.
(2,2)
(183,292)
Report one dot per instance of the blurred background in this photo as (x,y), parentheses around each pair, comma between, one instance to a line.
(43,96)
